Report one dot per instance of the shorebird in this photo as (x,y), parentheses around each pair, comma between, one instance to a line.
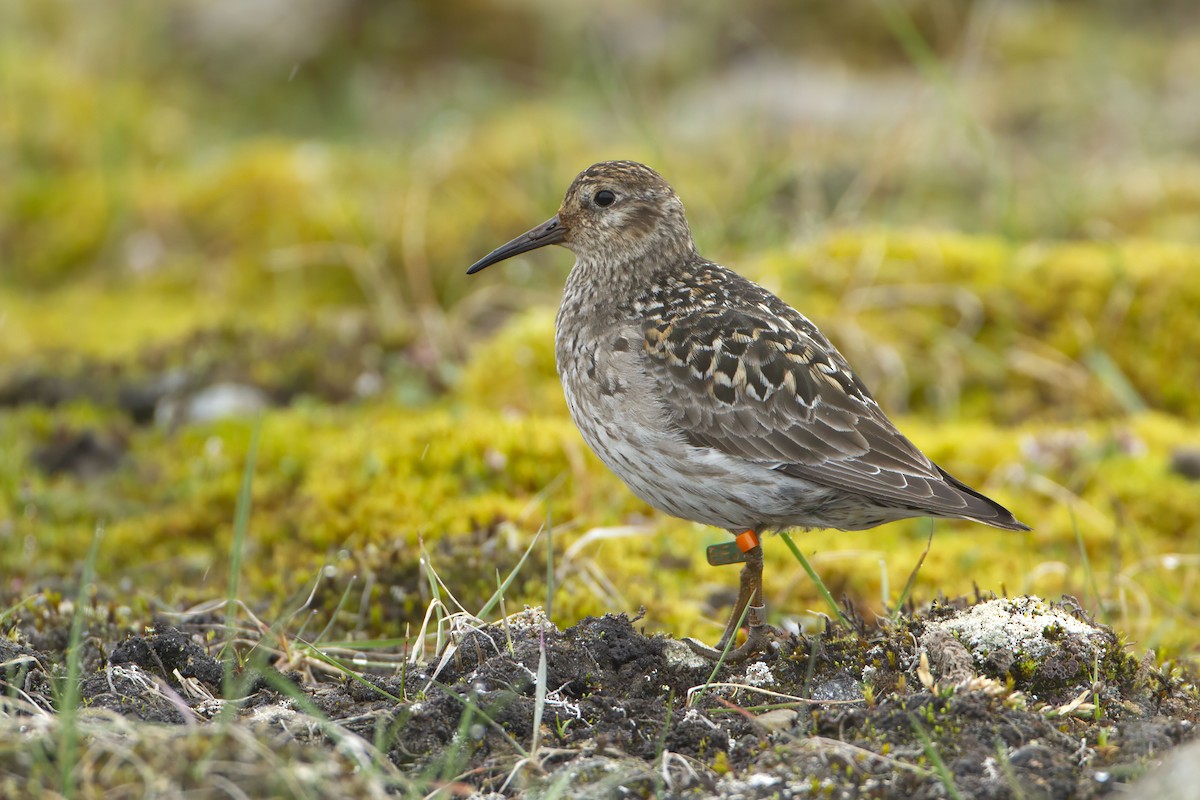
(713,399)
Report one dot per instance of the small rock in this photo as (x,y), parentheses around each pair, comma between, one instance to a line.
(779,719)
(368,384)
(140,400)
(1185,461)
(678,654)
(219,401)
(840,688)
(1176,778)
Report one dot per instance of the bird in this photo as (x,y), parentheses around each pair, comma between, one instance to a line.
(714,400)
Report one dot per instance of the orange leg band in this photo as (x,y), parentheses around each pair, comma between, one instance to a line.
(747,541)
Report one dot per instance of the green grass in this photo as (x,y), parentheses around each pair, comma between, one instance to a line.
(68,697)
(241,523)
(834,609)
(935,758)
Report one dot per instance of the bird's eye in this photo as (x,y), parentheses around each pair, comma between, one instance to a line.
(604,198)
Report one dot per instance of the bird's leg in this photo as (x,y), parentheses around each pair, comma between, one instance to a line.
(750,594)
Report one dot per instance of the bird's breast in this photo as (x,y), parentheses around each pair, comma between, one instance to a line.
(598,362)
(601,360)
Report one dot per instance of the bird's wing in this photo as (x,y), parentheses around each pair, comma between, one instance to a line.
(742,372)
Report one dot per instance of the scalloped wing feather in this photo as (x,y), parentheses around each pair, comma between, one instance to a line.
(742,372)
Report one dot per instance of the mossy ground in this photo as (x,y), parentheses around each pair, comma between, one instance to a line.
(348,486)
(993,215)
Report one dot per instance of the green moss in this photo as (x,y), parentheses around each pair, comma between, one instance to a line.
(357,489)
(514,370)
(982,328)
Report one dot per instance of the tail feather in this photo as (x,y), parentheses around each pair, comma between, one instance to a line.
(984,509)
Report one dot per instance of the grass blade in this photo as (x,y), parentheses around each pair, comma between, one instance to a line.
(539,695)
(816,579)
(495,598)
(912,576)
(241,523)
(935,758)
(68,709)
(549,566)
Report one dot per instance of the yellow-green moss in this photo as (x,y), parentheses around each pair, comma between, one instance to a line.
(356,488)
(514,371)
(89,320)
(335,485)
(974,326)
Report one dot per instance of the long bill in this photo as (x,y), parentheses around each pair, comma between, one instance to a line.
(549,232)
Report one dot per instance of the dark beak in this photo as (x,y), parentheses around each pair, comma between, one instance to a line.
(549,232)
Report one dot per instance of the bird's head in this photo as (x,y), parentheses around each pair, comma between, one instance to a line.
(619,214)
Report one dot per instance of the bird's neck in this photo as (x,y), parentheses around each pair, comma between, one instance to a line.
(611,279)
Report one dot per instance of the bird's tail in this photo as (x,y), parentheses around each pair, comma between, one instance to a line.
(984,509)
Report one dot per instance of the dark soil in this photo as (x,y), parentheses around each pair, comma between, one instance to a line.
(928,706)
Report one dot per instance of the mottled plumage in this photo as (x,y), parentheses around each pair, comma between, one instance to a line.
(710,397)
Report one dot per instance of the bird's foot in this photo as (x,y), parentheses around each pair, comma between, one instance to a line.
(758,639)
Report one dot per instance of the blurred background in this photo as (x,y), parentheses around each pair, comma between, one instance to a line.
(217,215)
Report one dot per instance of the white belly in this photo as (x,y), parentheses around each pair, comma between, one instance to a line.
(629,433)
